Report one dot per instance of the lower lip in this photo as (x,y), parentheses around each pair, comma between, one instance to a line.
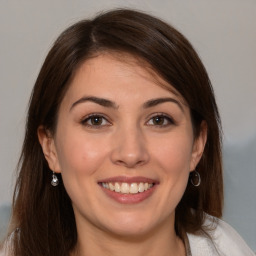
(129,198)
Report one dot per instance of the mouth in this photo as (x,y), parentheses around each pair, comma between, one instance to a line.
(128,190)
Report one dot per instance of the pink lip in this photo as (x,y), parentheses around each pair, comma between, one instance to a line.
(129,198)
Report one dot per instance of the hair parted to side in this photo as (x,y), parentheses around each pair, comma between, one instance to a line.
(43,221)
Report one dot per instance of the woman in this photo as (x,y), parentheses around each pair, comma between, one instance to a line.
(122,152)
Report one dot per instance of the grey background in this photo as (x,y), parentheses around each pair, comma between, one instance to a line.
(222,31)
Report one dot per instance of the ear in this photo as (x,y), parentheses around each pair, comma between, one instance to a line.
(48,146)
(198,146)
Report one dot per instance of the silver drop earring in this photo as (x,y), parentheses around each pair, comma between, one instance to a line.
(195,179)
(55,180)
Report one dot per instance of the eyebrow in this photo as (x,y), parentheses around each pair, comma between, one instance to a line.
(110,104)
(100,101)
(154,102)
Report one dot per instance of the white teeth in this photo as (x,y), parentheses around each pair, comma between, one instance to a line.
(134,188)
(105,185)
(111,187)
(126,188)
(117,187)
(141,187)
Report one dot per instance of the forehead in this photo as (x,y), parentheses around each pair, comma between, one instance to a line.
(117,74)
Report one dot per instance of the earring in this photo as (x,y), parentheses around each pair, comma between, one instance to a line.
(55,180)
(195,178)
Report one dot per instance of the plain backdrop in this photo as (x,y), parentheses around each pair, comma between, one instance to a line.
(222,31)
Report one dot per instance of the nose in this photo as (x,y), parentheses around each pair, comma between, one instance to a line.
(130,148)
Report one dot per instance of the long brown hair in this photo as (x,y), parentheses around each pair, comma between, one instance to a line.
(43,221)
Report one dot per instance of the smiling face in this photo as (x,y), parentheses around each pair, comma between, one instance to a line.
(124,146)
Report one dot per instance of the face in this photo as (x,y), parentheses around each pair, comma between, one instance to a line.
(124,146)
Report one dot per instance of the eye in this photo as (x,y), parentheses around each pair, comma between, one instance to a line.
(160,120)
(95,120)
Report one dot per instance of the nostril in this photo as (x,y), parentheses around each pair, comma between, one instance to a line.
(129,152)
(119,162)
(130,163)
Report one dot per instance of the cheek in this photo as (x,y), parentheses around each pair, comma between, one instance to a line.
(172,160)
(174,157)
(80,158)
(80,155)
(174,154)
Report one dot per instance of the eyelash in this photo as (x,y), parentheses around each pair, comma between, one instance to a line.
(85,121)
(167,121)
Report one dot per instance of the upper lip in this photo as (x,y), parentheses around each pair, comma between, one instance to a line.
(127,179)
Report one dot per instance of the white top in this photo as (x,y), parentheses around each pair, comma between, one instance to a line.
(223,241)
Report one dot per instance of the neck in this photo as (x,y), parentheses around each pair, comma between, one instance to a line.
(162,241)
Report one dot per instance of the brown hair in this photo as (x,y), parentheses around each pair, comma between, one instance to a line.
(43,222)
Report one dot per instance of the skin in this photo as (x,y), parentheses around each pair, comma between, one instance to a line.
(128,141)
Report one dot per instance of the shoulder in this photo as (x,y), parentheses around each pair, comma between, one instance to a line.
(228,240)
(220,239)
(2,252)
(5,248)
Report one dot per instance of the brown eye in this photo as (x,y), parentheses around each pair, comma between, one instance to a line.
(95,121)
(160,120)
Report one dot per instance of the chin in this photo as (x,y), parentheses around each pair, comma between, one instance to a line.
(131,225)
(131,232)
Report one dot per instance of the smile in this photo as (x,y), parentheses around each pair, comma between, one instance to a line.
(127,188)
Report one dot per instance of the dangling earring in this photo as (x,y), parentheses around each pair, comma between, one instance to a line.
(55,180)
(195,178)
